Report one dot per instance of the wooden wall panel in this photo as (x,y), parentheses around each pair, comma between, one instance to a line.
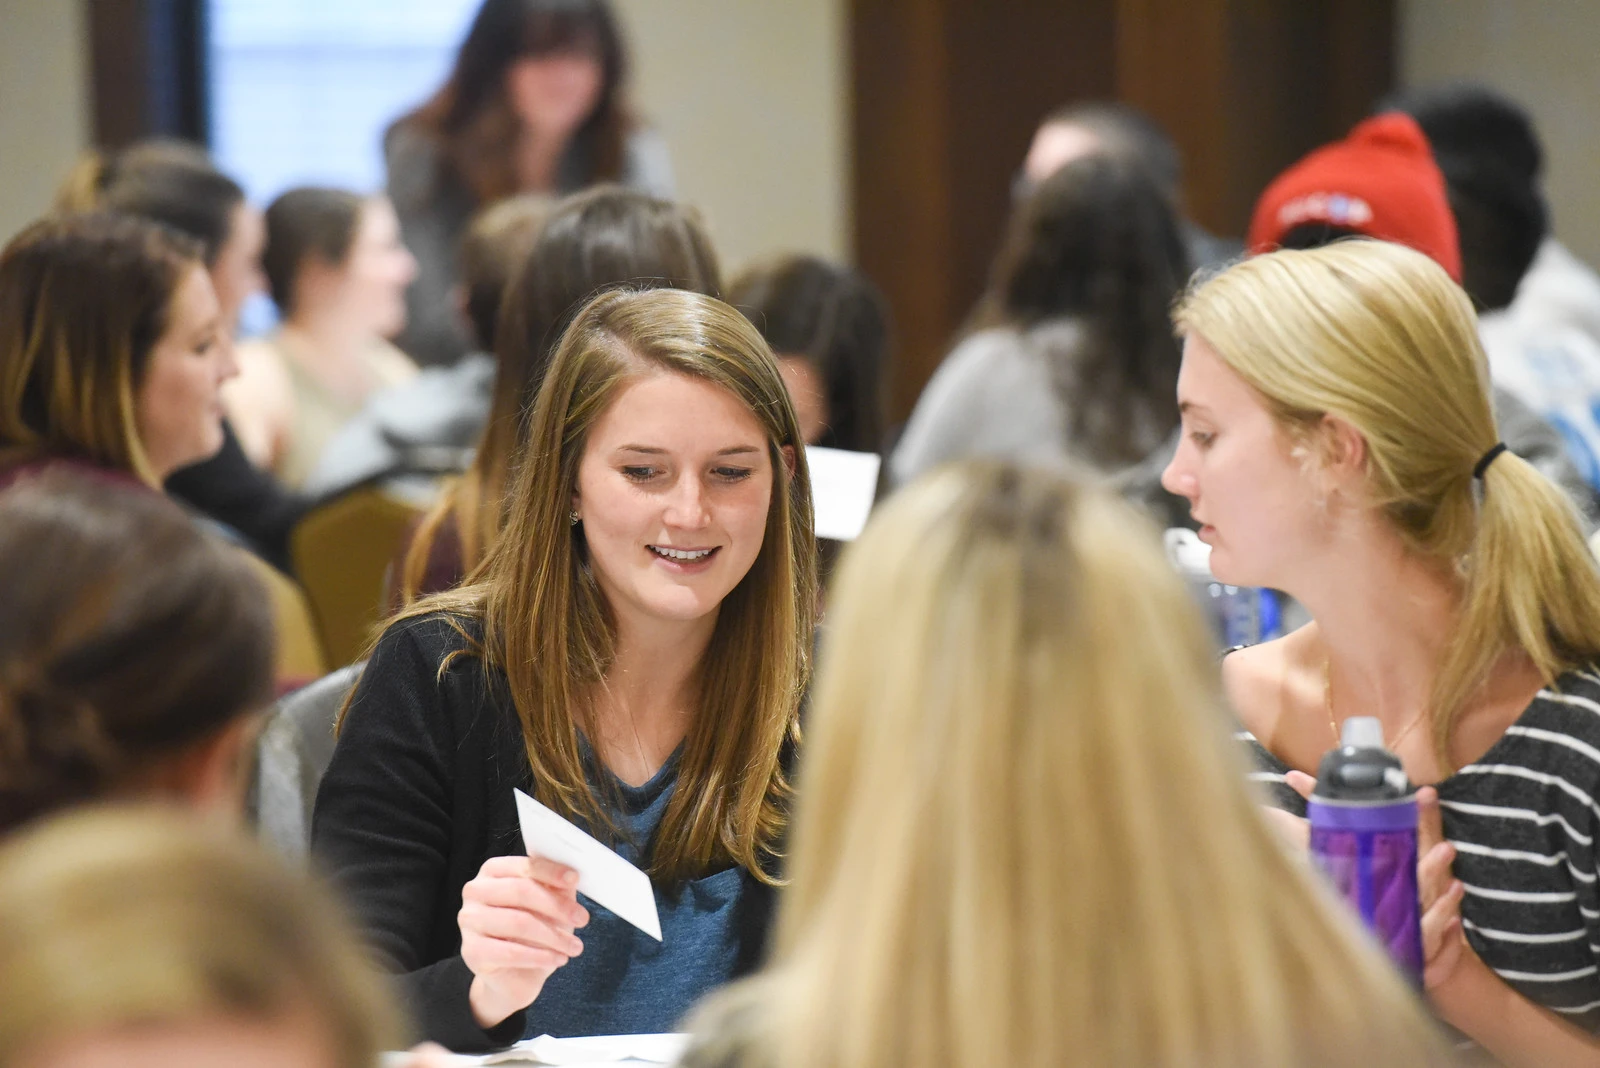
(947,93)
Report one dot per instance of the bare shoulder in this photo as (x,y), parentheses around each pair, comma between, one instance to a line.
(1253,679)
(1276,691)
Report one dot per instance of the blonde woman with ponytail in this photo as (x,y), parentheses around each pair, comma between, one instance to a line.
(1338,443)
(1024,836)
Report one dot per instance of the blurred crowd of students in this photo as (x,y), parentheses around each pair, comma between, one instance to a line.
(971,790)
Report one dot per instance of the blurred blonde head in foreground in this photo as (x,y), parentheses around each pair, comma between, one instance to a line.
(1023,836)
(142,937)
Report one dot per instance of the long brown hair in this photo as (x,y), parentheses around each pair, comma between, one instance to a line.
(1098,245)
(470,119)
(547,626)
(83,301)
(129,634)
(603,236)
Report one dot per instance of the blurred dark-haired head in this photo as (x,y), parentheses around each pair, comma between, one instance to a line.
(302,223)
(475,116)
(176,184)
(497,242)
(1489,152)
(1108,128)
(339,255)
(1098,246)
(829,326)
(132,645)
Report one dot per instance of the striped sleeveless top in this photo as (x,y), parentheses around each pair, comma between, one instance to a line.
(1523,819)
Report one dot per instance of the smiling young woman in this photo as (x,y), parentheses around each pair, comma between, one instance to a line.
(632,652)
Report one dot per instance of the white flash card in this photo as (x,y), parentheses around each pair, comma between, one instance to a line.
(602,874)
(843,485)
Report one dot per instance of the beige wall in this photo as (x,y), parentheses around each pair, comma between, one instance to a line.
(44,109)
(1544,54)
(752,98)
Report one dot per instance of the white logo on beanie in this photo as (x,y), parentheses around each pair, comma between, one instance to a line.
(1336,209)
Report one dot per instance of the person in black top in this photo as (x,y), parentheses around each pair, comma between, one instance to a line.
(632,652)
(177,185)
(1340,445)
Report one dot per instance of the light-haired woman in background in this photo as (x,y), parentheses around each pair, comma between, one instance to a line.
(1023,835)
(135,938)
(1339,444)
(338,273)
(632,652)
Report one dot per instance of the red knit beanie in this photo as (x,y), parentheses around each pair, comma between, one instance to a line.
(1380,181)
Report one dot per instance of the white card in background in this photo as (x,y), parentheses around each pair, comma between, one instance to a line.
(602,874)
(843,485)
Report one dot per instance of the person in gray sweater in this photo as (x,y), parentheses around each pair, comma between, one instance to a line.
(1071,353)
(535,103)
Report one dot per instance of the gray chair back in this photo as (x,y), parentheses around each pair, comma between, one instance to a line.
(292,753)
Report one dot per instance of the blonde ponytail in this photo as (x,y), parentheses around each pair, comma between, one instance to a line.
(82,188)
(1530,584)
(1379,335)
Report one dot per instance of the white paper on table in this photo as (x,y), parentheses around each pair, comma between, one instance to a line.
(602,874)
(599,1049)
(592,1052)
(843,485)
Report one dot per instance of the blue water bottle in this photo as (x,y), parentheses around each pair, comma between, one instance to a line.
(1239,615)
(1363,817)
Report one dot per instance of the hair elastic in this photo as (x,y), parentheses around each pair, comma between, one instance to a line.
(1488,458)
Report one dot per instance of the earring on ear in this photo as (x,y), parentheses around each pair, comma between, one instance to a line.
(574,517)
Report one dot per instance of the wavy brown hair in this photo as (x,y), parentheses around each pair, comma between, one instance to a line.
(547,626)
(83,301)
(129,635)
(470,119)
(601,237)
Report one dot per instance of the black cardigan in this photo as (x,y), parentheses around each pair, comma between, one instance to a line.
(416,798)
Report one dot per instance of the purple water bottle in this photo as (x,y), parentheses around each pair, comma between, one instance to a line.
(1364,836)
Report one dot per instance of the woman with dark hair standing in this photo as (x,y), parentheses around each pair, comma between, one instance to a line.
(603,237)
(1073,352)
(829,327)
(535,103)
(177,185)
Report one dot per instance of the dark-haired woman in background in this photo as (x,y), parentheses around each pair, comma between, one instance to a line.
(134,647)
(177,185)
(602,237)
(829,327)
(535,103)
(338,273)
(1073,354)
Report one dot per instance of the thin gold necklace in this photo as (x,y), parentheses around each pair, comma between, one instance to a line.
(1327,704)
